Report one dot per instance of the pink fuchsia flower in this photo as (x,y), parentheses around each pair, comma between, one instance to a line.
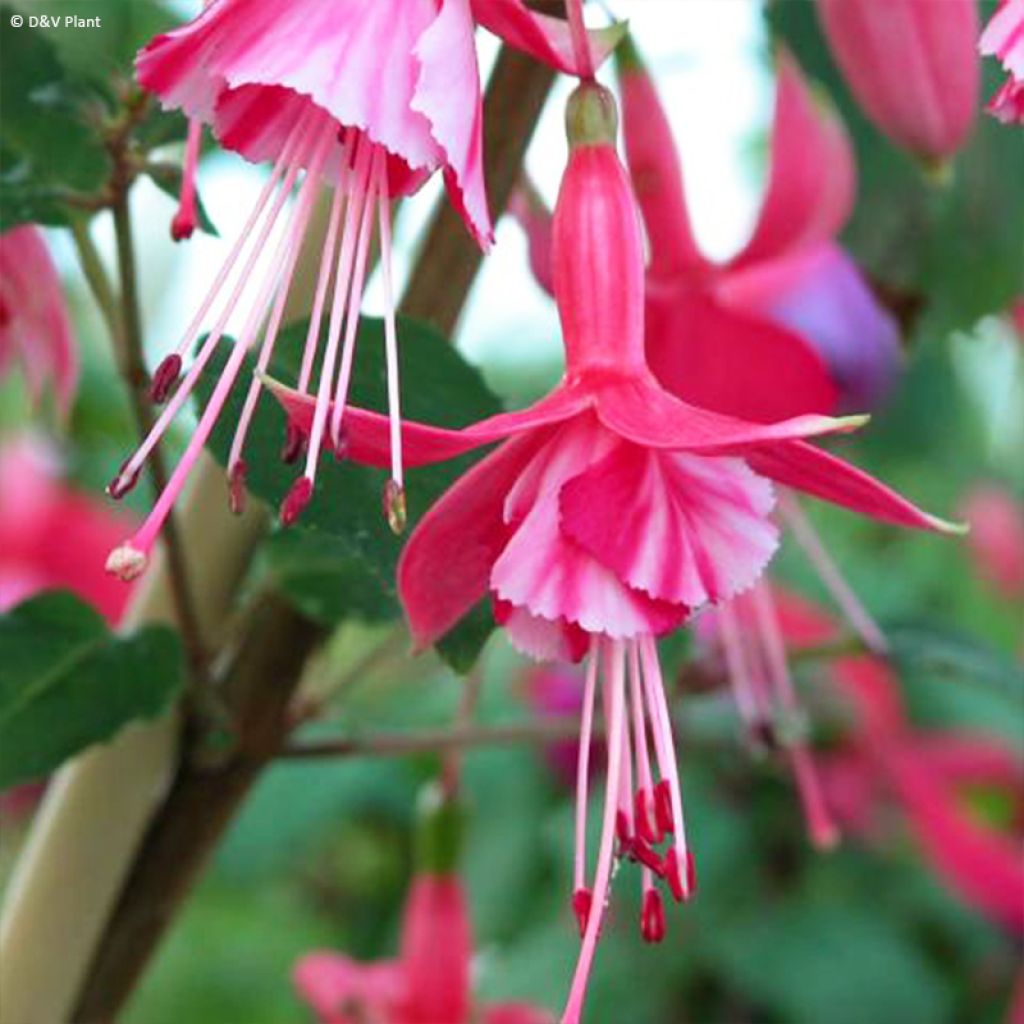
(1004,38)
(52,536)
(370,96)
(429,984)
(996,539)
(912,67)
(611,512)
(34,325)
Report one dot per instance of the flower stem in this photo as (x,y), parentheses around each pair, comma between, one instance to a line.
(580,41)
(96,276)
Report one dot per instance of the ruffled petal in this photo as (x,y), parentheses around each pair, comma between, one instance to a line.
(640,411)
(546,572)
(448,95)
(655,168)
(814,471)
(681,528)
(540,639)
(330,983)
(542,36)
(446,565)
(812,179)
(732,362)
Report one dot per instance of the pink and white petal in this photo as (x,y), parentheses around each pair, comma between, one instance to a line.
(445,567)
(546,572)
(639,410)
(816,472)
(448,95)
(1007,103)
(540,639)
(655,169)
(682,528)
(1004,37)
(516,1013)
(733,362)
(812,179)
(344,991)
(541,36)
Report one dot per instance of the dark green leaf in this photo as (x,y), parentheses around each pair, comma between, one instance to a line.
(461,645)
(67,682)
(439,387)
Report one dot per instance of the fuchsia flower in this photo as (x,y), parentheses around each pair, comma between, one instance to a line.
(370,96)
(612,511)
(34,323)
(929,774)
(1004,38)
(52,536)
(429,984)
(912,67)
(996,539)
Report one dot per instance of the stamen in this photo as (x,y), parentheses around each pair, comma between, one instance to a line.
(645,809)
(616,681)
(126,562)
(124,481)
(663,806)
(185,220)
(583,765)
(735,661)
(581,903)
(296,500)
(652,915)
(164,378)
(830,575)
(236,487)
(394,507)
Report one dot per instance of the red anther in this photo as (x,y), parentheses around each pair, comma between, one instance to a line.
(673,875)
(296,500)
(183,224)
(165,376)
(640,851)
(236,487)
(394,506)
(764,735)
(663,806)
(623,830)
(122,484)
(645,816)
(652,917)
(294,444)
(340,445)
(581,902)
(691,875)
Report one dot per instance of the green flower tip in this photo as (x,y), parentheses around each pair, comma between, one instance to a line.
(591,116)
(440,823)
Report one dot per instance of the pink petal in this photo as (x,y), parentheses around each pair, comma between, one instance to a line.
(656,170)
(366,435)
(355,60)
(448,95)
(534,218)
(802,622)
(1007,104)
(516,1013)
(542,36)
(640,411)
(814,471)
(436,950)
(733,362)
(911,65)
(681,528)
(962,758)
(541,639)
(873,688)
(34,321)
(343,991)
(446,564)
(811,182)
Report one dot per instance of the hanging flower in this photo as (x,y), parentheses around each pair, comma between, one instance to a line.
(370,96)
(1004,38)
(611,513)
(912,67)
(34,324)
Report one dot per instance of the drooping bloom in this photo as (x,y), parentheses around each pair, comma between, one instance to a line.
(996,539)
(34,325)
(610,513)
(369,96)
(52,536)
(912,67)
(1004,38)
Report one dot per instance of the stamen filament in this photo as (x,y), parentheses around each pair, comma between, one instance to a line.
(390,334)
(583,765)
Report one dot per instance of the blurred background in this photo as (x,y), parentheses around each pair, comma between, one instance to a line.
(871,932)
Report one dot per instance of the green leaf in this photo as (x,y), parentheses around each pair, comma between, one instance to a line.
(46,112)
(167,178)
(462,644)
(345,518)
(67,682)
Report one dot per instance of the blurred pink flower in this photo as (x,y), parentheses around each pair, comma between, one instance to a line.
(996,540)
(1004,38)
(429,984)
(912,66)
(34,323)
